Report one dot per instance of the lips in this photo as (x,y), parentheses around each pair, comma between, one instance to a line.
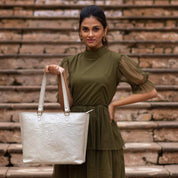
(90,40)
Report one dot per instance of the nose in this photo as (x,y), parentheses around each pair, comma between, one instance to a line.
(90,33)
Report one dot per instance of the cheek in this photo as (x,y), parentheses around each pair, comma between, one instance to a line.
(83,35)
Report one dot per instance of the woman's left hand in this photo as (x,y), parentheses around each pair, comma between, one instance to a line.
(111,111)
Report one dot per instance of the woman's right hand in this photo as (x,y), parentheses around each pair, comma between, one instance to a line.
(53,69)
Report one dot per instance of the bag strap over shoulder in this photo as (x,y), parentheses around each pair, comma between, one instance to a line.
(42,95)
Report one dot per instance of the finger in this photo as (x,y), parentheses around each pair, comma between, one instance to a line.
(46,69)
(61,69)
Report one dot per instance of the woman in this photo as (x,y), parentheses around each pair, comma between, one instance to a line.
(91,78)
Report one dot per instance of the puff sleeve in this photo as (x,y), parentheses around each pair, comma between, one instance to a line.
(130,72)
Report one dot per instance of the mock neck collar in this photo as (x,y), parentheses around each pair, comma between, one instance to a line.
(95,54)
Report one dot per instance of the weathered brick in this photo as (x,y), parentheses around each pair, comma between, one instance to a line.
(20,12)
(151,36)
(113,13)
(163,78)
(154,24)
(137,135)
(87,2)
(173,63)
(6,80)
(7,12)
(10,36)
(141,50)
(9,49)
(158,62)
(67,49)
(133,115)
(120,49)
(166,134)
(19,1)
(3,160)
(3,172)
(170,23)
(10,136)
(168,50)
(170,96)
(28,63)
(175,51)
(13,23)
(141,2)
(16,159)
(26,97)
(3,116)
(158,50)
(147,12)
(60,13)
(110,2)
(26,80)
(114,36)
(128,1)
(168,158)
(161,2)
(140,158)
(32,49)
(175,2)
(174,12)
(2,1)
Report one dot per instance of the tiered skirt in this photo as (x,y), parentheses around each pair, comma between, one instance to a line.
(104,156)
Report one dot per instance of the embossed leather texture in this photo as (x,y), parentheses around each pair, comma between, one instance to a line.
(54,138)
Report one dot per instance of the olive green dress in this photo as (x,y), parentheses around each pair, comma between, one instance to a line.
(93,77)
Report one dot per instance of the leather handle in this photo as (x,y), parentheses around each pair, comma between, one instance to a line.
(65,97)
(42,95)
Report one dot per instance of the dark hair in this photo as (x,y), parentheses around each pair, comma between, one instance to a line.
(96,12)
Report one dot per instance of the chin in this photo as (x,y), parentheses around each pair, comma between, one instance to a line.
(92,46)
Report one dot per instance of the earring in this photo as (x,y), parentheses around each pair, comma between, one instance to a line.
(104,38)
(81,39)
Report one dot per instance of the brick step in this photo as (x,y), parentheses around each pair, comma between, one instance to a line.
(158,153)
(49,29)
(74,47)
(29,94)
(75,42)
(150,131)
(72,22)
(54,35)
(80,6)
(61,55)
(74,10)
(143,111)
(137,18)
(28,61)
(23,77)
(70,34)
(131,172)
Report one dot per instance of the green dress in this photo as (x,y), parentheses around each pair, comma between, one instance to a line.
(92,78)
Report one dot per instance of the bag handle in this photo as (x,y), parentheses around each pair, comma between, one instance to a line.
(42,94)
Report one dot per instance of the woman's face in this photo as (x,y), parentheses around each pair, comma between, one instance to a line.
(92,32)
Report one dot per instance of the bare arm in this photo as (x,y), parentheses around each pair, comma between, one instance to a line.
(131,99)
(54,69)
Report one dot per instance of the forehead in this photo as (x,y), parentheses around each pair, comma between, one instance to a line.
(91,21)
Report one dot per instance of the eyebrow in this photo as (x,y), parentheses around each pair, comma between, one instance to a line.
(93,26)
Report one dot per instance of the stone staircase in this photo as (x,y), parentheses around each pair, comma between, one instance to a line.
(35,33)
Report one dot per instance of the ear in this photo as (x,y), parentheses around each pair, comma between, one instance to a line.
(105,30)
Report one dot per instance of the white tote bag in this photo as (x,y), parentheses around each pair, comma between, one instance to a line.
(54,138)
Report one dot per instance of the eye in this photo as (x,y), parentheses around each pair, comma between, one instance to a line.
(85,29)
(95,29)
